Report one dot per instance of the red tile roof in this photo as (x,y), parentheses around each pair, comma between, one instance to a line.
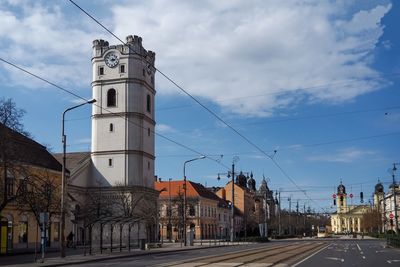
(193,189)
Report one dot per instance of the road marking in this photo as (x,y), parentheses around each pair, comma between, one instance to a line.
(363,257)
(377,251)
(390,261)
(358,247)
(335,259)
(312,255)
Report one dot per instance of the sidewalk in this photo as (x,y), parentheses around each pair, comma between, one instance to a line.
(53,259)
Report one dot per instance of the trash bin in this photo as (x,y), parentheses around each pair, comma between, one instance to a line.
(142,244)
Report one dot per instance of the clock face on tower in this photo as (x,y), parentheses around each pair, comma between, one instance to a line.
(111,59)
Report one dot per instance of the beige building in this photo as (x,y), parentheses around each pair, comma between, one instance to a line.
(348,218)
(30,170)
(207,214)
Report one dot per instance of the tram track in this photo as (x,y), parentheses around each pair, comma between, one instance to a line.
(269,255)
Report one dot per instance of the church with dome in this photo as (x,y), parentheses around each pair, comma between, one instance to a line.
(347,218)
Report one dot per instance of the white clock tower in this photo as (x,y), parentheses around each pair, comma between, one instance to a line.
(123,118)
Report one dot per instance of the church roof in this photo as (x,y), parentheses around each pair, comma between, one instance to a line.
(73,160)
(25,150)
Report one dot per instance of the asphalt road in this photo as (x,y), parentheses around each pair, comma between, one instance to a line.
(299,253)
(354,253)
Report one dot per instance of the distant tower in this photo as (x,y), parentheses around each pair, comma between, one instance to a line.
(378,195)
(342,198)
(251,183)
(123,127)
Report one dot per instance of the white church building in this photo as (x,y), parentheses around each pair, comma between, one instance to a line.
(111,188)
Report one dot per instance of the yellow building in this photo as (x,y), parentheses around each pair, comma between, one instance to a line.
(348,218)
(27,168)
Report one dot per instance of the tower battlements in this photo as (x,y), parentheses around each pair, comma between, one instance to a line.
(133,45)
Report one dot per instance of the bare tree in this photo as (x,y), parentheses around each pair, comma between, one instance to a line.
(372,221)
(39,192)
(10,122)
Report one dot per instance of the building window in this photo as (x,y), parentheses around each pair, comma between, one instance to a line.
(110,162)
(23,232)
(101,70)
(111,98)
(9,185)
(111,127)
(122,68)
(144,73)
(148,104)
(152,79)
(148,131)
(56,231)
(148,165)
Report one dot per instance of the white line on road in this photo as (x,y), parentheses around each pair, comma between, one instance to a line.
(363,257)
(335,259)
(390,261)
(312,255)
(377,251)
(358,247)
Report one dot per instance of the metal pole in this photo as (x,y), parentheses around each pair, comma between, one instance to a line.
(233,205)
(184,204)
(396,224)
(184,196)
(63,178)
(279,213)
(169,228)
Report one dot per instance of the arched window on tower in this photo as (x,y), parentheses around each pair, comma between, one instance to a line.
(148,104)
(111,98)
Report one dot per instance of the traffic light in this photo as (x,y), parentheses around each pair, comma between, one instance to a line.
(361,197)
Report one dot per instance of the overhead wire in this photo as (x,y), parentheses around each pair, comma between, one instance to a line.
(109,111)
(199,103)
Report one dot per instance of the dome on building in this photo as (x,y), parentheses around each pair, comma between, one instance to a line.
(241,180)
(263,185)
(379,187)
(251,183)
(395,185)
(341,189)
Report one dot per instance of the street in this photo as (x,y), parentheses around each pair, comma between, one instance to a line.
(329,252)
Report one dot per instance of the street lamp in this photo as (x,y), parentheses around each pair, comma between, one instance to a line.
(63,184)
(229,174)
(396,223)
(184,197)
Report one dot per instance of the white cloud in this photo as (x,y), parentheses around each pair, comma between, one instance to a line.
(224,51)
(347,155)
(220,49)
(164,128)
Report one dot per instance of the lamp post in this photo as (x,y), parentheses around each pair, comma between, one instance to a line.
(396,223)
(169,228)
(232,174)
(184,196)
(63,182)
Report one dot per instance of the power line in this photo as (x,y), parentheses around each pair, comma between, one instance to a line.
(281,92)
(197,101)
(110,112)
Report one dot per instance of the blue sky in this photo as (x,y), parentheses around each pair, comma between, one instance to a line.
(315,80)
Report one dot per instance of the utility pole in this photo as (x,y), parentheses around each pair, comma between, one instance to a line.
(279,213)
(169,228)
(233,204)
(396,223)
(290,211)
(231,173)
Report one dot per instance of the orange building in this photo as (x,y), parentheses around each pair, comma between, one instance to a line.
(207,214)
